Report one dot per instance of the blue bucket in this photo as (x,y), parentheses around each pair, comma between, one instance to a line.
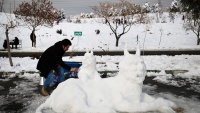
(71,74)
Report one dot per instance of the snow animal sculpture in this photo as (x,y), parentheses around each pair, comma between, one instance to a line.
(88,69)
(122,93)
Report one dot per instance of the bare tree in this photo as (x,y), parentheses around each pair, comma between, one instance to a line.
(192,8)
(8,45)
(175,6)
(37,13)
(8,24)
(194,26)
(161,33)
(2,2)
(141,18)
(118,16)
(172,16)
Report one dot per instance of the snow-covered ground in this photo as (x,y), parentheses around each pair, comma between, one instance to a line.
(170,35)
(180,62)
(173,37)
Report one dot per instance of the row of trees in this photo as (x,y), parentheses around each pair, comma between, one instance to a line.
(127,10)
(42,12)
(2,2)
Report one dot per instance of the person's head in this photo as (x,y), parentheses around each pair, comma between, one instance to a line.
(66,44)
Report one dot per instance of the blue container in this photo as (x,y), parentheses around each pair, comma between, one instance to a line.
(71,74)
(73,65)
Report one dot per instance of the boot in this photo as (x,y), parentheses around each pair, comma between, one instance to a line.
(44,92)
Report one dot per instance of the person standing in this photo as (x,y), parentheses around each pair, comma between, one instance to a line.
(33,39)
(5,44)
(51,63)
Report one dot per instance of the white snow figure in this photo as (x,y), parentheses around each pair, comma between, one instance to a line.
(88,69)
(122,93)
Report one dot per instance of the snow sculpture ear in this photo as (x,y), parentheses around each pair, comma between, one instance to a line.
(138,50)
(125,50)
(91,52)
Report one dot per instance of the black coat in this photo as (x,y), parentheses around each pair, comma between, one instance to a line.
(5,44)
(32,36)
(51,58)
(16,41)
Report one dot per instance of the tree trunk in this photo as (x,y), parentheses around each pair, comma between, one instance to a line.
(117,41)
(198,39)
(8,48)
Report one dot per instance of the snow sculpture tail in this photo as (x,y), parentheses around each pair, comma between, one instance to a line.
(138,50)
(125,50)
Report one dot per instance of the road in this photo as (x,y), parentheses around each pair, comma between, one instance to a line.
(17,99)
(150,52)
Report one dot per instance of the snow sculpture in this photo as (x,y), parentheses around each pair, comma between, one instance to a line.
(88,69)
(122,93)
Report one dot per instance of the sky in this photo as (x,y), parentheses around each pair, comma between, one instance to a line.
(73,7)
(173,37)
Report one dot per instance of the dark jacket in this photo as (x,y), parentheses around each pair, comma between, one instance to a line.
(32,36)
(16,41)
(50,58)
(5,44)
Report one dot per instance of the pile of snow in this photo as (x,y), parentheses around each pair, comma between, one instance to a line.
(122,93)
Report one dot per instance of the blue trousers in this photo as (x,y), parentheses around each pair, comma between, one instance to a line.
(60,74)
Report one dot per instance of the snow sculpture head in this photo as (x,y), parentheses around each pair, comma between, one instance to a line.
(88,69)
(89,60)
(132,67)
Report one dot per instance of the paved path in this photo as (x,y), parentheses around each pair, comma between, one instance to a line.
(16,98)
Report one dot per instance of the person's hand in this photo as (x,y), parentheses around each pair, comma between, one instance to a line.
(74,69)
